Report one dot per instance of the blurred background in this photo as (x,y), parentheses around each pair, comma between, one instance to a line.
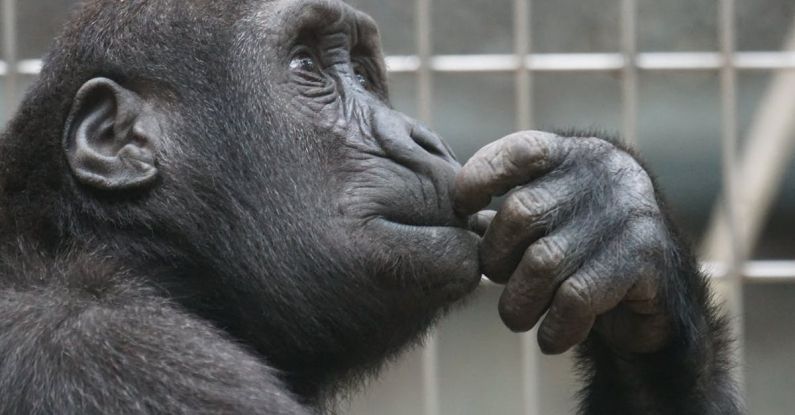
(705,89)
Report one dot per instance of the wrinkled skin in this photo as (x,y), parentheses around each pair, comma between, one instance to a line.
(211,207)
(581,234)
(392,177)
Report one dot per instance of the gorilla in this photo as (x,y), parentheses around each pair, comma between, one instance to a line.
(211,207)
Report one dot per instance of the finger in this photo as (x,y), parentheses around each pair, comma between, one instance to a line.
(594,289)
(525,216)
(480,221)
(531,287)
(503,165)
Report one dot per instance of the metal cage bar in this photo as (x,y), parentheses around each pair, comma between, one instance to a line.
(554,62)
(599,62)
(9,67)
(430,354)
(522,10)
(730,135)
(629,78)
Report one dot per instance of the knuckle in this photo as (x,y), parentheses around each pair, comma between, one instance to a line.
(575,291)
(603,153)
(629,170)
(490,167)
(634,178)
(532,147)
(546,255)
(596,148)
(531,139)
(631,186)
(527,205)
(536,143)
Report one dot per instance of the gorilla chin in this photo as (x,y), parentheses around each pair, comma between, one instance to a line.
(439,262)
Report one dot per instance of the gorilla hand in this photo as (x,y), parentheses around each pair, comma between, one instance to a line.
(581,236)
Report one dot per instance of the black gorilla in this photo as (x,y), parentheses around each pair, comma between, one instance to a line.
(210,207)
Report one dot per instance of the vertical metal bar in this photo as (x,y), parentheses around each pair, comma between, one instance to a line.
(524,121)
(9,26)
(531,396)
(430,368)
(629,86)
(424,53)
(430,375)
(728,82)
(522,49)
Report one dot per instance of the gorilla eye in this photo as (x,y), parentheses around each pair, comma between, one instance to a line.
(362,79)
(303,61)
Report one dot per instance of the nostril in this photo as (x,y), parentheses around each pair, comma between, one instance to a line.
(429,147)
(430,142)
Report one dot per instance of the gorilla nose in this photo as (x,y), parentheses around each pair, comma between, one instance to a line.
(431,142)
(407,139)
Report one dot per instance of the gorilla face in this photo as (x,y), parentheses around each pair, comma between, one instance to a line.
(384,180)
(326,205)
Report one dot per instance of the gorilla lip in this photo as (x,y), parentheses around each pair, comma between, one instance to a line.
(455,271)
(423,227)
(434,219)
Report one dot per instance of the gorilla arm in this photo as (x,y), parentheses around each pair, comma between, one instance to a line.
(93,342)
(583,238)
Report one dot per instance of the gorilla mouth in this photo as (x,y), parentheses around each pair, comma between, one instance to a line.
(423,227)
(424,224)
(436,219)
(436,257)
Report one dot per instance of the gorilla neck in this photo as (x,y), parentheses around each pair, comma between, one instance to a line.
(315,366)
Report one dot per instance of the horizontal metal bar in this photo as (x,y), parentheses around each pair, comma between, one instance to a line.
(24,67)
(566,62)
(475,63)
(680,61)
(29,66)
(764,60)
(761,271)
(409,63)
(752,271)
(561,62)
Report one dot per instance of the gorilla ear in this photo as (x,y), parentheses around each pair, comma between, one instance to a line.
(111,136)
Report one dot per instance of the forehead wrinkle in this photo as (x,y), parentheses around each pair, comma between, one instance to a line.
(290,17)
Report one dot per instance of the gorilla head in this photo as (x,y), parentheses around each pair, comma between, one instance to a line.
(245,158)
